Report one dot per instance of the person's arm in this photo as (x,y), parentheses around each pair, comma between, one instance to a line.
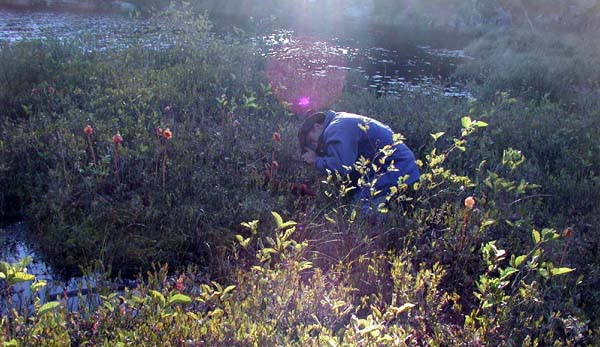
(341,146)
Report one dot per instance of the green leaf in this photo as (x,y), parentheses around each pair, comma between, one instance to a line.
(158,296)
(507,272)
(228,289)
(330,220)
(486,223)
(253,226)
(36,286)
(107,305)
(560,271)
(370,329)
(2,275)
(465,121)
(288,224)
(519,260)
(11,343)
(193,316)
(331,341)
(278,219)
(437,135)
(179,299)
(47,307)
(480,124)
(549,234)
(487,304)
(536,236)
(303,265)
(21,277)
(403,308)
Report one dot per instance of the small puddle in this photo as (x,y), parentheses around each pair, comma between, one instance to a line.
(13,248)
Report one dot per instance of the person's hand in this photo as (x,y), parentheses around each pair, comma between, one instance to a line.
(309,156)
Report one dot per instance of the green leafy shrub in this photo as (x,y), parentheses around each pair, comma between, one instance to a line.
(279,296)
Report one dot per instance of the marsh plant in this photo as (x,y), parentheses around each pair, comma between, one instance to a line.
(186,150)
(279,296)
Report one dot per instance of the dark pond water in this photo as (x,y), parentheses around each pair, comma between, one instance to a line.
(391,60)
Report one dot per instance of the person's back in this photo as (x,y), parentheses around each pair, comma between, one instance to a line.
(335,141)
(347,137)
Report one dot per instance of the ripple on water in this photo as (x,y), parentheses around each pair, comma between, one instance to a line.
(106,31)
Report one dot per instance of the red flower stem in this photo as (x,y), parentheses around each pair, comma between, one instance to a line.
(117,160)
(158,152)
(62,157)
(164,168)
(464,231)
(89,138)
(564,251)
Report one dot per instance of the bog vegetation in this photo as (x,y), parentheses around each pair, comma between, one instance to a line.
(180,166)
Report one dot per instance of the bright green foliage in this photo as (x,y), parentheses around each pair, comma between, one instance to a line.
(15,273)
(281,298)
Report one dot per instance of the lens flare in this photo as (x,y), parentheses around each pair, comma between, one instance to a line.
(306,74)
(304,101)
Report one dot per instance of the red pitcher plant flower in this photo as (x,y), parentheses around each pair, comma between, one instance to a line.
(568,231)
(117,139)
(469,204)
(167,134)
(276,137)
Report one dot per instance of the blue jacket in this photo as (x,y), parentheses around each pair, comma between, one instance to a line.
(343,142)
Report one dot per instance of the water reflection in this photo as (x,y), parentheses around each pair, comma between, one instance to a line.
(387,71)
(14,247)
(391,62)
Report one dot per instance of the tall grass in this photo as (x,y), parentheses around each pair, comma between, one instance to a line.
(534,64)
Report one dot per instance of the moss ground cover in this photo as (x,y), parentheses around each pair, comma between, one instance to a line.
(179,156)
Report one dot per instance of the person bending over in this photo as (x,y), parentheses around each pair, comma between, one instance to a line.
(335,141)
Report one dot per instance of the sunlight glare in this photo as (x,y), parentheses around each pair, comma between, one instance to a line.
(306,74)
